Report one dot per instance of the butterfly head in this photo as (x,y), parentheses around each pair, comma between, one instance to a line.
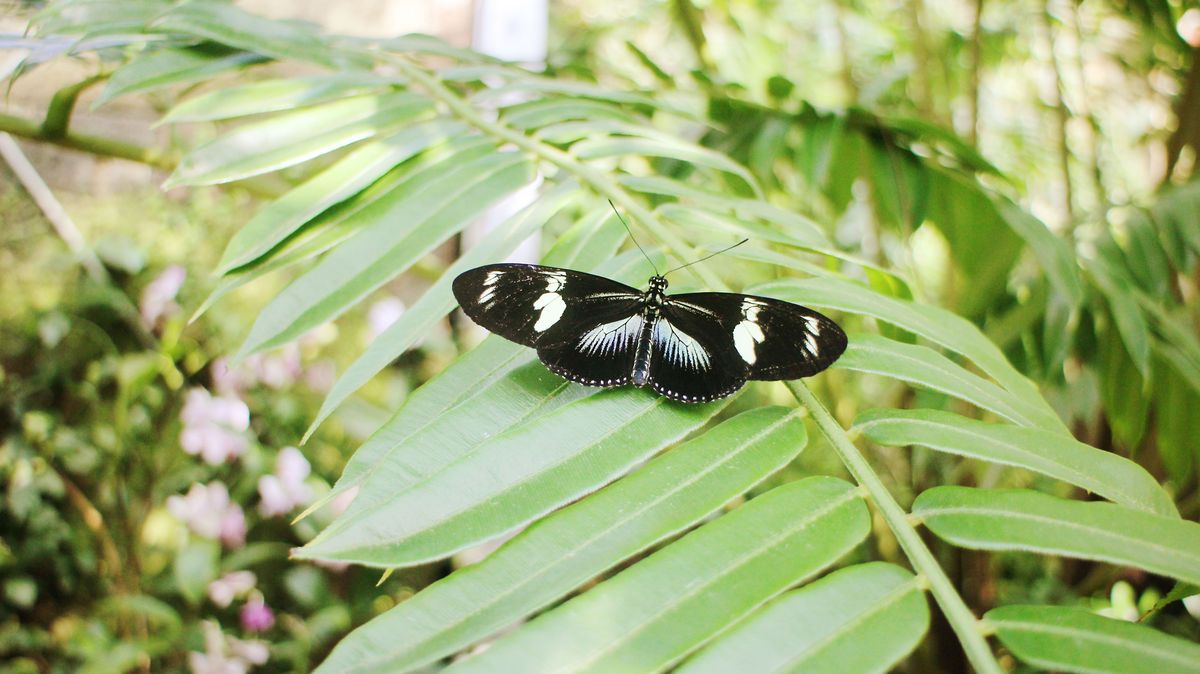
(658,284)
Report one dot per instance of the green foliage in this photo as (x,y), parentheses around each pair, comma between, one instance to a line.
(390,169)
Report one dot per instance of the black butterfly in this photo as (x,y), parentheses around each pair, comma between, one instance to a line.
(693,347)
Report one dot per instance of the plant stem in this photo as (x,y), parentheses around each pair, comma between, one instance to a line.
(966,626)
(964,623)
(106,147)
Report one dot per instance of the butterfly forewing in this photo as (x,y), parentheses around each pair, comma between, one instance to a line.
(535,305)
(771,338)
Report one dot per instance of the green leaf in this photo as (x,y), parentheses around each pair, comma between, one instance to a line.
(404,516)
(487,391)
(922,366)
(1109,475)
(294,137)
(96,17)
(165,67)
(1069,639)
(935,324)
(862,619)
(1020,519)
(438,300)
(653,614)
(545,111)
(622,146)
(195,567)
(574,544)
(345,219)
(1177,428)
(1118,289)
(227,24)
(273,96)
(1052,252)
(350,175)
(431,214)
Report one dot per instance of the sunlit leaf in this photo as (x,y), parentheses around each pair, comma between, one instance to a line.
(165,67)
(653,614)
(862,619)
(1020,519)
(574,544)
(273,96)
(1068,639)
(1109,475)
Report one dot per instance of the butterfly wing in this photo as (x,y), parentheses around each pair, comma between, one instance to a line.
(771,338)
(691,356)
(585,327)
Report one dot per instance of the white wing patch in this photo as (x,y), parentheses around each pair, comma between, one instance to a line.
(550,304)
(489,286)
(747,334)
(611,338)
(678,347)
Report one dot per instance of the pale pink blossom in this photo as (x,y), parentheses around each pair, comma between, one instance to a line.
(158,298)
(208,512)
(382,314)
(256,616)
(224,654)
(320,376)
(214,426)
(232,585)
(278,369)
(282,491)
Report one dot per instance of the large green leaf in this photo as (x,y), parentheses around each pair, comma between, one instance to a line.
(293,137)
(862,619)
(1068,639)
(96,17)
(569,547)
(622,146)
(404,515)
(273,96)
(1052,252)
(653,614)
(922,366)
(431,214)
(165,67)
(1020,519)
(438,300)
(1109,475)
(345,219)
(487,391)
(350,175)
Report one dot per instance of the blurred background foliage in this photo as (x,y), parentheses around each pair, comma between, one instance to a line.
(927,139)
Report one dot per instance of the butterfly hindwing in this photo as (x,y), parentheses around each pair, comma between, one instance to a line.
(771,338)
(534,305)
(596,348)
(691,357)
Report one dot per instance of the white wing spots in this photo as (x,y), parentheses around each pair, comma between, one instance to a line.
(810,340)
(551,306)
(555,281)
(611,338)
(747,333)
(678,347)
(489,286)
(814,324)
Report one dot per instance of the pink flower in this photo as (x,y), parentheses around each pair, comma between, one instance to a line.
(283,490)
(208,512)
(381,315)
(158,298)
(214,426)
(225,654)
(320,376)
(232,585)
(256,616)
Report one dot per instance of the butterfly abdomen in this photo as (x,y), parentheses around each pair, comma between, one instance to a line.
(641,356)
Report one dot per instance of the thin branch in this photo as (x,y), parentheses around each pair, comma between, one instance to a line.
(1062,116)
(976,74)
(969,629)
(105,147)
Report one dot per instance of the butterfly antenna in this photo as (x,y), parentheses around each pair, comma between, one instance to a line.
(631,237)
(723,250)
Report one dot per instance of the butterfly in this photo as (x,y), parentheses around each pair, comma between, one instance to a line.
(691,347)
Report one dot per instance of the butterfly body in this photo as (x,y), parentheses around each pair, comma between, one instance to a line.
(692,347)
